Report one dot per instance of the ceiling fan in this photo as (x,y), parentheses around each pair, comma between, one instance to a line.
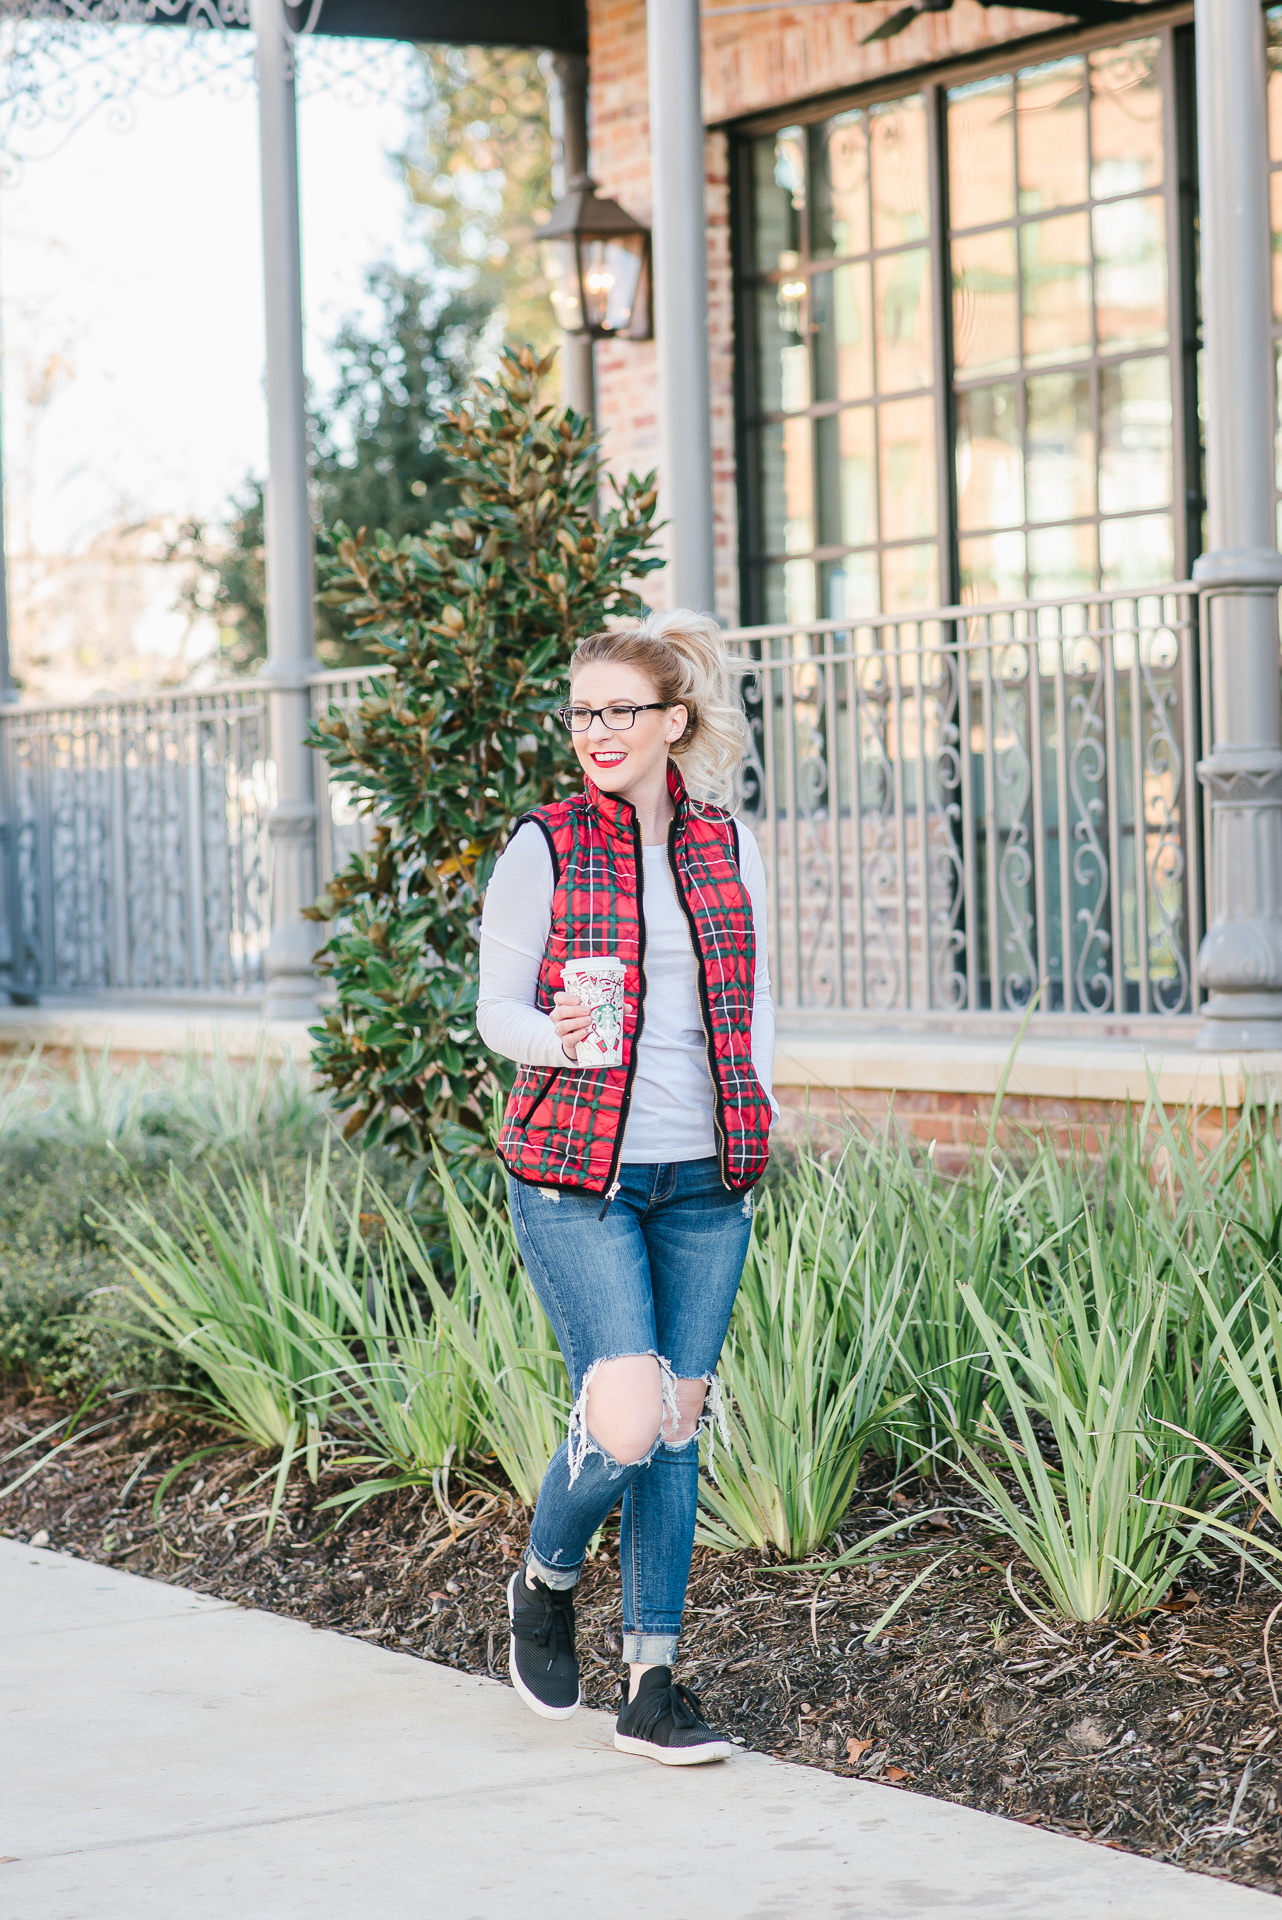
(1092,13)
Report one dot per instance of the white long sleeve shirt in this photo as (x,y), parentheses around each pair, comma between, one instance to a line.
(672,1109)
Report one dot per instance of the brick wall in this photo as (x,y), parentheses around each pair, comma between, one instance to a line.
(751,62)
(957,1123)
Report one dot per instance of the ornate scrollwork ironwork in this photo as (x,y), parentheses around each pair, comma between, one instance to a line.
(139,832)
(138,828)
(1013,774)
(1159,815)
(941,816)
(1087,768)
(879,859)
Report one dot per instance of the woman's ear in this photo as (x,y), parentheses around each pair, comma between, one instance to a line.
(678,725)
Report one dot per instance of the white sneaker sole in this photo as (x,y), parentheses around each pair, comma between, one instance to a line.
(532,1701)
(675,1756)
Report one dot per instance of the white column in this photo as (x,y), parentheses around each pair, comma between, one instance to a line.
(8,692)
(568,115)
(291,826)
(12,959)
(681,300)
(1241,957)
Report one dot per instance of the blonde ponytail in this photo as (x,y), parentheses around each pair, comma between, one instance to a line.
(684,654)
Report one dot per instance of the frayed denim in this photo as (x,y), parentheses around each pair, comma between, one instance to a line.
(657,1276)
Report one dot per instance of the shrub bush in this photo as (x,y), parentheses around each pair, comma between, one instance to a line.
(477,621)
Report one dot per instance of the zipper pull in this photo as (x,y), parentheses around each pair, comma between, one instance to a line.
(609,1201)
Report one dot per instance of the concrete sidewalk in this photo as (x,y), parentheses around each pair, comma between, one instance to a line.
(168,1757)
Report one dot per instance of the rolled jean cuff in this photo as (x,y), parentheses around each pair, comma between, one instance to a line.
(650,1649)
(560,1579)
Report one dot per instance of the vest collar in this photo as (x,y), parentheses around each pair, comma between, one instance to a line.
(617,815)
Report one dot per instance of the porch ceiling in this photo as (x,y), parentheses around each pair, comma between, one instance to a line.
(561,25)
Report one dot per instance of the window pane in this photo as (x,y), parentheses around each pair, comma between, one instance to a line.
(839,189)
(985,303)
(1126,119)
(783,359)
(1130,274)
(1061,560)
(788,592)
(1051,121)
(1061,447)
(778,194)
(847,478)
(1273,28)
(981,154)
(906,429)
(1137,553)
(992,568)
(841,324)
(849,586)
(904,330)
(900,183)
(910,578)
(787,487)
(1135,436)
(990,459)
(1055,258)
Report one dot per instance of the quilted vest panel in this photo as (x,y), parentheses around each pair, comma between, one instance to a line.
(564,1125)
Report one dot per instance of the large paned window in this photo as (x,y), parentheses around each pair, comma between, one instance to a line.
(1061,344)
(841,317)
(1023,437)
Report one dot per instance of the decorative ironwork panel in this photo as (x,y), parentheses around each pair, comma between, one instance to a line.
(137,842)
(963,808)
(957,811)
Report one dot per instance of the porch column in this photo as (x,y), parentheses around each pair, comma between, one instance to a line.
(681,300)
(291,824)
(12,957)
(1241,957)
(8,692)
(568,112)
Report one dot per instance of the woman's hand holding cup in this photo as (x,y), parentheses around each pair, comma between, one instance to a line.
(572,1021)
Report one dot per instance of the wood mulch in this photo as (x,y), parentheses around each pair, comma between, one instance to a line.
(1161,1737)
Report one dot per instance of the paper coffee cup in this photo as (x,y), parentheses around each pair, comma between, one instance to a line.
(598,983)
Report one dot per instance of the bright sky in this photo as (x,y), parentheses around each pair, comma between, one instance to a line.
(131,291)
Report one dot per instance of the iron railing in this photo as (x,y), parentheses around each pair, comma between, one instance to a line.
(956,809)
(959,808)
(136,835)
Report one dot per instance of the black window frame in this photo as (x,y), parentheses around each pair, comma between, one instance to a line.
(1172,26)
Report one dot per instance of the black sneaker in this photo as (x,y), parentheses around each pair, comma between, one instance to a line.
(540,1655)
(665,1722)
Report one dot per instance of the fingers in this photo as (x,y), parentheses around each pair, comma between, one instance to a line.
(571,1019)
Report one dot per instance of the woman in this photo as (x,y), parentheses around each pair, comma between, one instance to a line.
(631,1184)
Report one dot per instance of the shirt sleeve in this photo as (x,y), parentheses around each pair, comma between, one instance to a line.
(753,869)
(515,921)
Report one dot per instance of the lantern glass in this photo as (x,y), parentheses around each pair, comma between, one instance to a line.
(560,260)
(611,273)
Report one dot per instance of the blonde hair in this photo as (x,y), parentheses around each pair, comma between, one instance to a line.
(685,656)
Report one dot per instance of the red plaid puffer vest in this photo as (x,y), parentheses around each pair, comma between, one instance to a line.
(564,1125)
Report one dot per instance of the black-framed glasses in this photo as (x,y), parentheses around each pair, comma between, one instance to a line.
(617,719)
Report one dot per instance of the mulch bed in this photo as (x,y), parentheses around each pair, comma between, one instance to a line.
(1161,1738)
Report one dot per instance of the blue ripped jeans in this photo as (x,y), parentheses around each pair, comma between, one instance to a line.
(658,1275)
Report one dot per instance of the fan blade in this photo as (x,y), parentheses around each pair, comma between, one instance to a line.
(889,28)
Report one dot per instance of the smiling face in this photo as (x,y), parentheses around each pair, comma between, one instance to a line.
(630,762)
